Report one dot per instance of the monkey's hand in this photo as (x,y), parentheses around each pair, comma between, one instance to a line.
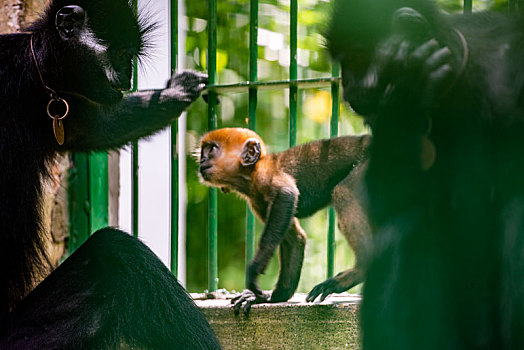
(329,286)
(247,299)
(338,284)
(184,87)
(420,75)
(415,64)
(401,73)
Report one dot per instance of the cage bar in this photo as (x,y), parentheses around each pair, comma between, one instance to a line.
(468,6)
(512,6)
(98,191)
(252,117)
(134,154)
(335,108)
(308,83)
(293,89)
(173,8)
(212,124)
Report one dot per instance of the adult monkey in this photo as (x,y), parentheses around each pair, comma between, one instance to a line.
(444,97)
(61,84)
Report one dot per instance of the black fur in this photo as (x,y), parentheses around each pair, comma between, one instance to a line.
(448,266)
(112,292)
(88,69)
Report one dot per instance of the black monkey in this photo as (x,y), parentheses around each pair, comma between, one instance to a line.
(61,84)
(112,293)
(444,97)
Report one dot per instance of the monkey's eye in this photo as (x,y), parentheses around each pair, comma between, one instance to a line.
(213,148)
(210,150)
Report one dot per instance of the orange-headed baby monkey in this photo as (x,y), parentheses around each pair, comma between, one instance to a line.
(282,187)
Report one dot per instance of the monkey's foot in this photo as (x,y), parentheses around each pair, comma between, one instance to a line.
(246,299)
(329,286)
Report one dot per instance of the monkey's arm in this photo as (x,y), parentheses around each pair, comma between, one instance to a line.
(279,218)
(139,114)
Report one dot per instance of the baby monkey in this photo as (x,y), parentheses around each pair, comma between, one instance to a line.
(283,187)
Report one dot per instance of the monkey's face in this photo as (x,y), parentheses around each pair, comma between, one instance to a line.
(220,161)
(99,44)
(210,162)
(228,155)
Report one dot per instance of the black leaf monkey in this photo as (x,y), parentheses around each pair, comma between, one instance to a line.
(61,84)
(444,97)
(283,187)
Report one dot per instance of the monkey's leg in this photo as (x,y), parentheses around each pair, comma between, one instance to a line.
(354,226)
(279,220)
(112,292)
(292,251)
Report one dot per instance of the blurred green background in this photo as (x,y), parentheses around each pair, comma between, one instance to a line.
(272,124)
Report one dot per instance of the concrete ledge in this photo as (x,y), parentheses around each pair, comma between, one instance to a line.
(332,324)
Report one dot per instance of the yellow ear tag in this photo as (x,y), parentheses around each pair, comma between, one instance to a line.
(58,124)
(427,153)
(58,129)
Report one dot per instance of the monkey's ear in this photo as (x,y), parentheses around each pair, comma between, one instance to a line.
(250,152)
(69,20)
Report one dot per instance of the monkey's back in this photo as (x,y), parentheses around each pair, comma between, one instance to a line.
(319,166)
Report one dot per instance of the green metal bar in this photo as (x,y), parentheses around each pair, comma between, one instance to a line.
(468,6)
(134,154)
(335,95)
(174,152)
(335,108)
(79,201)
(309,83)
(252,118)
(293,89)
(98,191)
(512,5)
(212,124)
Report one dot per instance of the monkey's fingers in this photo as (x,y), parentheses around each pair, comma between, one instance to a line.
(439,82)
(187,85)
(244,301)
(188,77)
(324,289)
(423,52)
(247,299)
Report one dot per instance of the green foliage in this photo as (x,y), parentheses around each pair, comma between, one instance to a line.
(272,125)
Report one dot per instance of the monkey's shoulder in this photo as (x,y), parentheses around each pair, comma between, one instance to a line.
(271,178)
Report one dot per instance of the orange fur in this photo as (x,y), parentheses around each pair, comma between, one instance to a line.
(281,187)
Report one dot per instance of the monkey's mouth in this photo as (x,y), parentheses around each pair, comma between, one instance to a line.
(205,172)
